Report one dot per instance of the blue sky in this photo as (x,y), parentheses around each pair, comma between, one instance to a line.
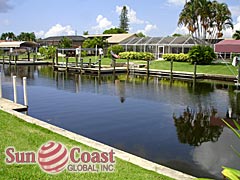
(58,17)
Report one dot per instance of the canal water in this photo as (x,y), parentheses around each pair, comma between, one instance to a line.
(173,123)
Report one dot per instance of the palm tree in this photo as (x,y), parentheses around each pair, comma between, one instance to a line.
(8,36)
(204,12)
(236,35)
(222,17)
(188,17)
(25,36)
(203,16)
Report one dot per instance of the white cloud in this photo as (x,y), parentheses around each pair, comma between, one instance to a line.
(103,23)
(132,15)
(181,30)
(56,30)
(148,28)
(229,32)
(59,30)
(39,34)
(176,2)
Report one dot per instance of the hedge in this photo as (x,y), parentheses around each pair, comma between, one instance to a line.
(176,57)
(137,55)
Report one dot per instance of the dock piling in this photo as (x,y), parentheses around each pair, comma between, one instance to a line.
(148,65)
(99,67)
(171,69)
(76,58)
(56,58)
(66,63)
(195,70)
(81,61)
(25,91)
(128,65)
(114,65)
(15,89)
(90,63)
(0,84)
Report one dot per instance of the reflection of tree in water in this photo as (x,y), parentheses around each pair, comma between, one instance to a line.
(193,127)
(120,88)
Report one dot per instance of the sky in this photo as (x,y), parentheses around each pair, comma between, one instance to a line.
(58,17)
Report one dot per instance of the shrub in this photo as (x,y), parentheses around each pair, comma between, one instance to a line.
(137,55)
(201,54)
(48,52)
(116,49)
(176,57)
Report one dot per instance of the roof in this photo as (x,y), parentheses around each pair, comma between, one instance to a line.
(178,41)
(228,46)
(59,38)
(112,38)
(17,44)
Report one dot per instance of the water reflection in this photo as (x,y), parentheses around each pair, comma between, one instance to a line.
(134,112)
(212,156)
(120,90)
(194,126)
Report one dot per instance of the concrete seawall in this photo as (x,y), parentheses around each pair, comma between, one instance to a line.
(100,146)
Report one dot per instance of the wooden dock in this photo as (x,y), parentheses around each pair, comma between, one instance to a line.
(24,62)
(93,70)
(10,105)
(144,71)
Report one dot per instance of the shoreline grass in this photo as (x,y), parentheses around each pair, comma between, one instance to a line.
(29,137)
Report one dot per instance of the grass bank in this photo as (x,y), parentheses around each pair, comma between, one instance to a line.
(28,137)
(219,68)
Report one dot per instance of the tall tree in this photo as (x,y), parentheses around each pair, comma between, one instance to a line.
(65,43)
(205,18)
(85,33)
(188,17)
(114,31)
(222,17)
(236,35)
(124,21)
(8,36)
(25,36)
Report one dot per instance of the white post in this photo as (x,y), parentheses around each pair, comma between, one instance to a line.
(14,89)
(0,84)
(25,91)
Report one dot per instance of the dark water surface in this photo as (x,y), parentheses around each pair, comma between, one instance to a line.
(177,124)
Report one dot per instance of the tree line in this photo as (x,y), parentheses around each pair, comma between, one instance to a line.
(23,36)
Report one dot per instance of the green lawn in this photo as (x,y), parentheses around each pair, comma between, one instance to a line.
(28,137)
(187,67)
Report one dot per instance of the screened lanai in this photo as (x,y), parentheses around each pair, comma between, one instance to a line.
(160,45)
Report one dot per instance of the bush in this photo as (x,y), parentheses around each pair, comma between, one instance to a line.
(176,57)
(48,52)
(201,54)
(116,49)
(137,55)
